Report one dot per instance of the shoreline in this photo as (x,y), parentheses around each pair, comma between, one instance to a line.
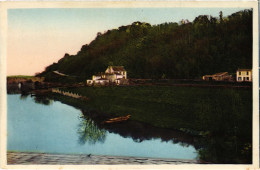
(34,158)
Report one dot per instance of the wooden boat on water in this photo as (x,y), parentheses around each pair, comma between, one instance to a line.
(117,119)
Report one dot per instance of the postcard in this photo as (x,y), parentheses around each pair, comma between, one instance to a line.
(129,85)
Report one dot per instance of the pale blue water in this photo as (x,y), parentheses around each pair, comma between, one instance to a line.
(54,128)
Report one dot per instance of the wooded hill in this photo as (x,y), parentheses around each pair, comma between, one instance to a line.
(183,50)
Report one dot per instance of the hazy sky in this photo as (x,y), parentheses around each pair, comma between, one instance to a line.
(39,37)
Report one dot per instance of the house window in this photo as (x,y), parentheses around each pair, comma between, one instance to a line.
(247,73)
(247,78)
(239,78)
(240,73)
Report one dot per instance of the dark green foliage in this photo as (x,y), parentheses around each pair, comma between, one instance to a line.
(21,76)
(205,46)
(89,132)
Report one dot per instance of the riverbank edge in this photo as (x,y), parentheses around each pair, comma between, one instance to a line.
(100,116)
(36,158)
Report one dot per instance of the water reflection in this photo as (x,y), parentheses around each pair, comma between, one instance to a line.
(216,147)
(24,96)
(225,150)
(89,132)
(42,100)
(139,131)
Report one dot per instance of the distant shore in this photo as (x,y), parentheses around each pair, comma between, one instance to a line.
(31,84)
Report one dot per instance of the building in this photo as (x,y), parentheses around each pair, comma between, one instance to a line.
(223,76)
(101,81)
(244,75)
(118,70)
(113,75)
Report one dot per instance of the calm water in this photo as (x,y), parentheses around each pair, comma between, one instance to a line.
(58,128)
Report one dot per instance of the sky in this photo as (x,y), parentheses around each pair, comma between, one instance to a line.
(38,37)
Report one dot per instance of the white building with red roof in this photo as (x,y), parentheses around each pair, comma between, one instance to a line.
(113,74)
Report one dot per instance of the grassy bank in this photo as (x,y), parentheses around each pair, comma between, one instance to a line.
(20,76)
(173,107)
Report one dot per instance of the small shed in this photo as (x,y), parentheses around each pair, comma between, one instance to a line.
(222,76)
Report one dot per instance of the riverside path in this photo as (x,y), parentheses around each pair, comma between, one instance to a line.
(29,158)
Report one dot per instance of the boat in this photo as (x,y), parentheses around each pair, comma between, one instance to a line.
(117,119)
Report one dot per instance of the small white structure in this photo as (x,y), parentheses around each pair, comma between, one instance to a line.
(244,75)
(113,74)
(70,94)
(101,81)
(19,85)
(89,81)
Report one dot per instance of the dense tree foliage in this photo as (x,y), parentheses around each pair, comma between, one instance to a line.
(169,50)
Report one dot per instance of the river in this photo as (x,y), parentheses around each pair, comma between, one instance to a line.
(50,126)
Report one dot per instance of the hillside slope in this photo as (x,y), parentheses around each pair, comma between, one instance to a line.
(169,50)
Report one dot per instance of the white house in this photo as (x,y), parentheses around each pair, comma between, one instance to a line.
(113,74)
(118,70)
(244,75)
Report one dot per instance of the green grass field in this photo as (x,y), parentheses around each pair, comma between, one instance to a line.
(169,106)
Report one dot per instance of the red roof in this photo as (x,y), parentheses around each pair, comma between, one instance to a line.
(118,68)
(220,74)
(217,74)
